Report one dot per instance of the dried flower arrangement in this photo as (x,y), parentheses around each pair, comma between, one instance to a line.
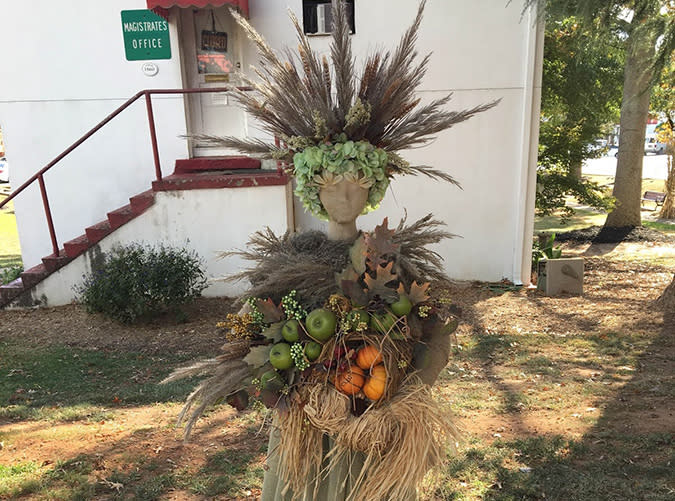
(357,365)
(334,123)
(340,336)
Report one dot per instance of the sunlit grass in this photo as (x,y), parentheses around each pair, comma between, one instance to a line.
(10,251)
(583,218)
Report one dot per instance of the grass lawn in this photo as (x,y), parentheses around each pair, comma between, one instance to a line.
(558,398)
(10,252)
(71,395)
(647,184)
(585,217)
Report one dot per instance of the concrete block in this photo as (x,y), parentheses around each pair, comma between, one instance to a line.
(564,275)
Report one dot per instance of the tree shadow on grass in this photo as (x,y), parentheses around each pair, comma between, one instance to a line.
(62,383)
(627,455)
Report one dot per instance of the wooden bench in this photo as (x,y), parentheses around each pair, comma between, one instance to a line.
(654,196)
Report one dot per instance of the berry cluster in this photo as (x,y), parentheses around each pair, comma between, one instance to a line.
(292,308)
(256,314)
(423,311)
(338,304)
(238,326)
(298,355)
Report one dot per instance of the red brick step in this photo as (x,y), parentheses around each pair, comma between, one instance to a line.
(53,263)
(76,246)
(98,231)
(141,202)
(120,216)
(34,275)
(188,165)
(11,290)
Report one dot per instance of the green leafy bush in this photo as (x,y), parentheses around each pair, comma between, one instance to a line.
(137,282)
(542,248)
(10,274)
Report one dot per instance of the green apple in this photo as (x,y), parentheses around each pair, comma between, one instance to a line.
(312,351)
(280,356)
(290,331)
(271,380)
(359,316)
(321,324)
(383,322)
(401,307)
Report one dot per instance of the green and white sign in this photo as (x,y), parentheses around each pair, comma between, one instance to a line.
(146,35)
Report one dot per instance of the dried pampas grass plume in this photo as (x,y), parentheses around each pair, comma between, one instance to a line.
(296,86)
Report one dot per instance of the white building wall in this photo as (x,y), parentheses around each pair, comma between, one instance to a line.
(64,70)
(178,219)
(72,71)
(482,50)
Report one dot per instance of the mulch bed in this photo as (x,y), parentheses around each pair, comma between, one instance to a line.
(600,235)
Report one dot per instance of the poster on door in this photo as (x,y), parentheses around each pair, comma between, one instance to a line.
(212,54)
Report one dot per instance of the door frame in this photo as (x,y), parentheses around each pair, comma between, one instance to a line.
(189,74)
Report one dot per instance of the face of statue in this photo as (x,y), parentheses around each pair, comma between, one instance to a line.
(344,201)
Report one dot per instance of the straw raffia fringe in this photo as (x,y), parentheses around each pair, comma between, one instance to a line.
(401,440)
(299,452)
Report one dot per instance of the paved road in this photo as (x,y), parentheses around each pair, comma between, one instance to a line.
(653,167)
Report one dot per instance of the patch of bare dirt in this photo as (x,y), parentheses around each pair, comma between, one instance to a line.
(73,326)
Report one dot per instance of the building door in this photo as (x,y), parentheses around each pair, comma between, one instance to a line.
(212,55)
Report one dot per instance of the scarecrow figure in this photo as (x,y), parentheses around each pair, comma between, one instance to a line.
(356,419)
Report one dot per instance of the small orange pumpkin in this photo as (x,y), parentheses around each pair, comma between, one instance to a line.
(350,381)
(376,383)
(368,357)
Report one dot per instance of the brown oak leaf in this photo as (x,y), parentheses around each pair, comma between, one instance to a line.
(271,312)
(354,291)
(379,244)
(348,274)
(418,293)
(378,284)
(357,254)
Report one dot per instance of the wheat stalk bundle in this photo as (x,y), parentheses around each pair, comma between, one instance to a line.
(400,440)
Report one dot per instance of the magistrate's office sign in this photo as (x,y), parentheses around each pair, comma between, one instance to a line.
(146,35)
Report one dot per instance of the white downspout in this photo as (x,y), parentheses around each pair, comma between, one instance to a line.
(527,183)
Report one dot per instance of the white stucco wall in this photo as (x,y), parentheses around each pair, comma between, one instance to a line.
(64,70)
(179,218)
(482,50)
(72,71)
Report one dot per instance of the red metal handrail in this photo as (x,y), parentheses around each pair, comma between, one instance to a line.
(153,138)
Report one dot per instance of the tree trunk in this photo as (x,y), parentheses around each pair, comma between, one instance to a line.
(575,170)
(634,112)
(668,207)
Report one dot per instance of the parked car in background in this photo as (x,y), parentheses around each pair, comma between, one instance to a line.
(4,170)
(653,146)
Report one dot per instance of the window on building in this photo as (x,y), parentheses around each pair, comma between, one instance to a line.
(317,17)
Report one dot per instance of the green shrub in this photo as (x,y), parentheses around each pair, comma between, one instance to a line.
(10,274)
(138,282)
(544,249)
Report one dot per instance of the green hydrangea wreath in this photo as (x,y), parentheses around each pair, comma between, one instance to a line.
(329,163)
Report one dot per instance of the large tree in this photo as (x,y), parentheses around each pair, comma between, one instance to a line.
(663,106)
(581,99)
(647,28)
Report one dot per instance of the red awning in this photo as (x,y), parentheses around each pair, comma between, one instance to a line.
(242,5)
